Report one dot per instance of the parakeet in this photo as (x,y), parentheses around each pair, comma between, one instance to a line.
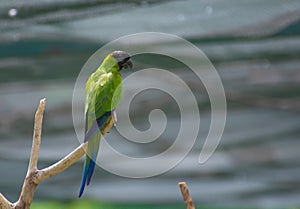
(103,93)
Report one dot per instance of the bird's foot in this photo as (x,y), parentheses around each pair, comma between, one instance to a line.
(114,116)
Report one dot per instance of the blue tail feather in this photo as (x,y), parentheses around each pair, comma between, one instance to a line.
(92,150)
(90,172)
(85,172)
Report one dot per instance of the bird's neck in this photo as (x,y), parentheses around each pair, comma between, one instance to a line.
(109,66)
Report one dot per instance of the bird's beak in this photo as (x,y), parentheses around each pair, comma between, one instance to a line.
(127,64)
(123,59)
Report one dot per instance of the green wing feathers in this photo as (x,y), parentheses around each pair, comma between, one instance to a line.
(103,94)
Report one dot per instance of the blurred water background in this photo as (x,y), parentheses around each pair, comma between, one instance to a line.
(255,47)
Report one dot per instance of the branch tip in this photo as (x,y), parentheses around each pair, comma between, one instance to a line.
(38,122)
(186,195)
(43,101)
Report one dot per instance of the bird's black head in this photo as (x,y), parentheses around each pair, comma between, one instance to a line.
(123,59)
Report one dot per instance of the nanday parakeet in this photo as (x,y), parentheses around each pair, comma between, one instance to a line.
(103,94)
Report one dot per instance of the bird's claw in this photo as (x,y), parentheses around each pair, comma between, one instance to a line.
(114,116)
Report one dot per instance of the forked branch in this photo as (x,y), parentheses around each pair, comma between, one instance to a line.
(35,176)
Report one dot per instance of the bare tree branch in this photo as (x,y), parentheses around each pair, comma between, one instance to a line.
(61,165)
(29,186)
(4,203)
(67,161)
(186,195)
(36,142)
(35,176)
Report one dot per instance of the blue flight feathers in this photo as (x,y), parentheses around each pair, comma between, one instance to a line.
(92,149)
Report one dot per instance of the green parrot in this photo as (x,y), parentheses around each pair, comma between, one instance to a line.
(103,94)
